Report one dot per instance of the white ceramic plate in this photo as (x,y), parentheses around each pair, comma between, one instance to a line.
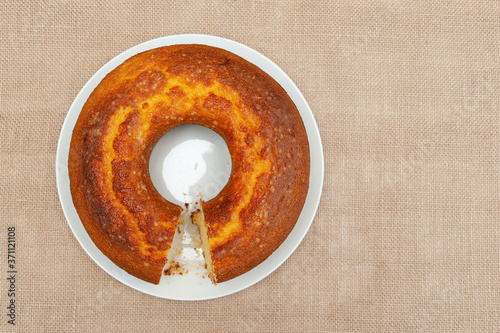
(193,285)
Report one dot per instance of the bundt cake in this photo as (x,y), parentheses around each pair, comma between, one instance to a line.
(155,91)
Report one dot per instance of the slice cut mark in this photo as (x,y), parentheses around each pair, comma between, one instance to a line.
(182,256)
(190,252)
(199,220)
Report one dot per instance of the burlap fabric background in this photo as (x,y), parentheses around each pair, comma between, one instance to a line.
(407,99)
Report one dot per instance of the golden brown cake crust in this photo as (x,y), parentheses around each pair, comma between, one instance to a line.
(157,90)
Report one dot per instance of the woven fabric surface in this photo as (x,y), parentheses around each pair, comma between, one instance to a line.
(406,95)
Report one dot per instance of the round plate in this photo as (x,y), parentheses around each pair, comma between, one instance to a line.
(194,286)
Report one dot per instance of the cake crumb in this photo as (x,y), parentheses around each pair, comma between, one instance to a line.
(175,268)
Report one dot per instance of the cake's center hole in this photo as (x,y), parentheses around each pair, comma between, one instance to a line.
(190,162)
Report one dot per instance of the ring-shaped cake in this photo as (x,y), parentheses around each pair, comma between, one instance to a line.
(155,91)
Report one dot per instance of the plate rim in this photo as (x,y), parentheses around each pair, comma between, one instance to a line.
(316,160)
